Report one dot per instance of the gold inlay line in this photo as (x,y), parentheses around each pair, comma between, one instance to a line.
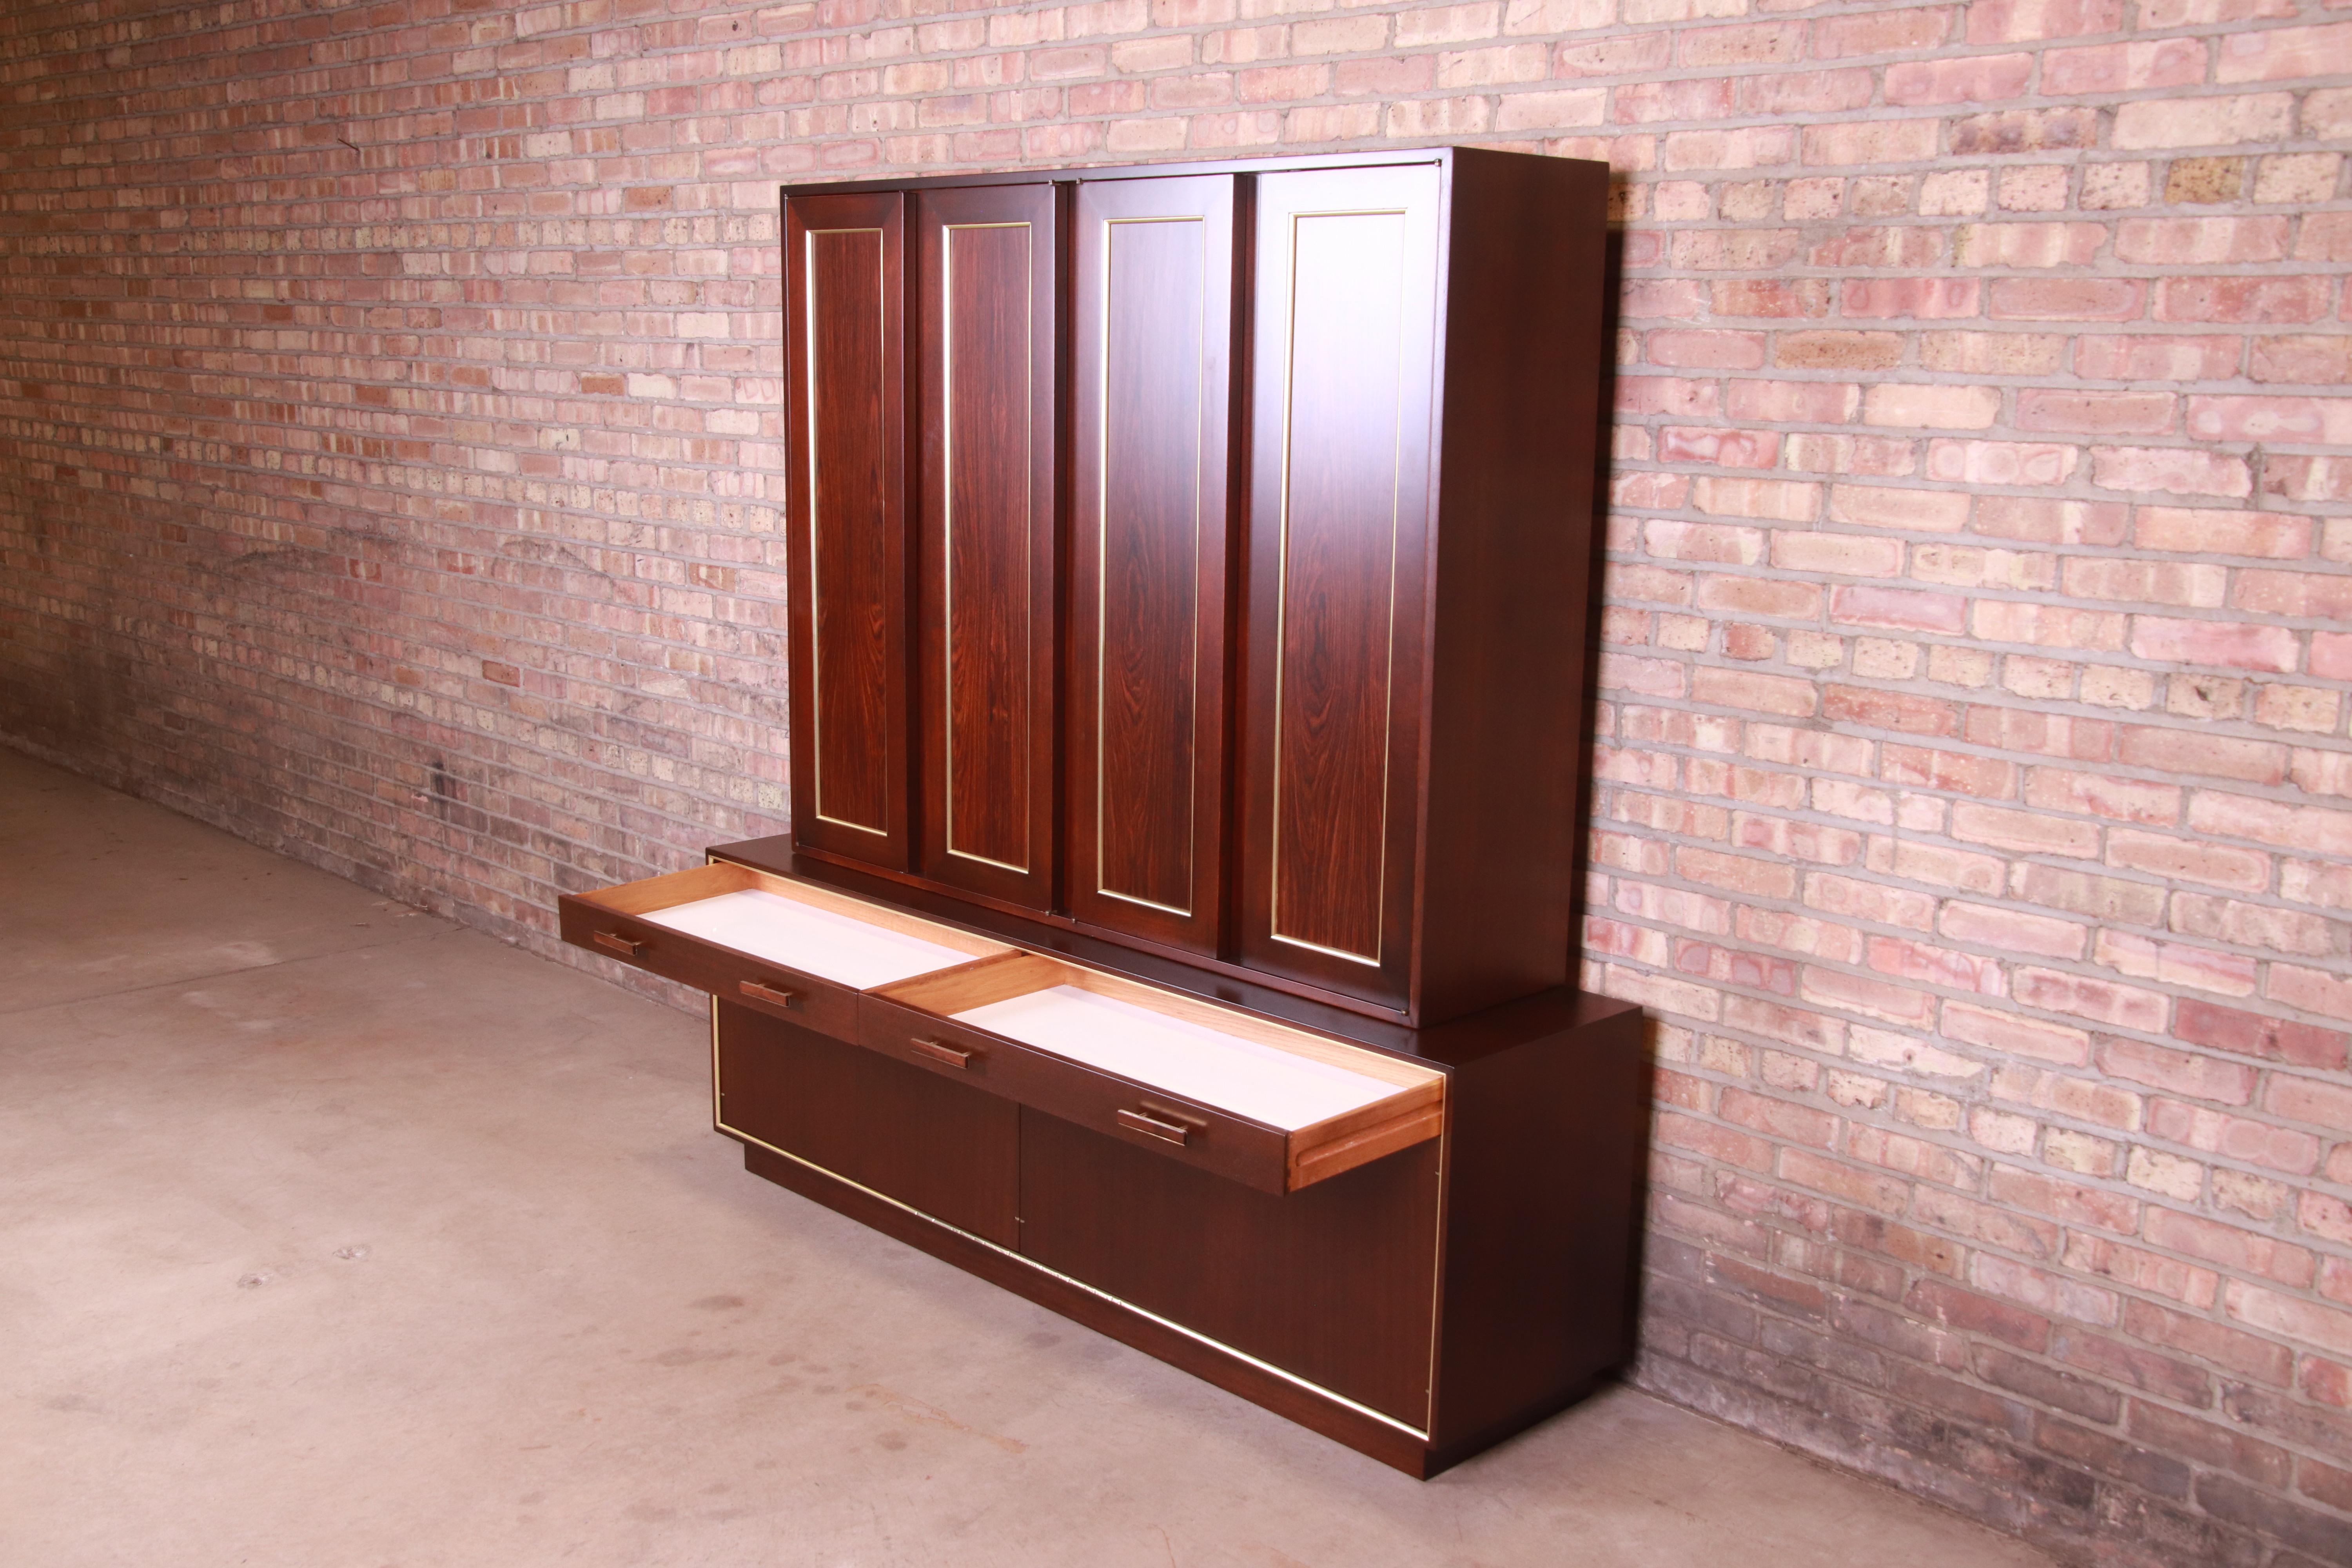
(1282,593)
(816,618)
(1102,568)
(947,524)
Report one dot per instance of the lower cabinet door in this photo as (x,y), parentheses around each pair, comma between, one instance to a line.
(935,1145)
(1333,1283)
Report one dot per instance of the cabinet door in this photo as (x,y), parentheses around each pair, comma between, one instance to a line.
(986,260)
(1336,1283)
(1341,383)
(1152,402)
(943,1147)
(846,529)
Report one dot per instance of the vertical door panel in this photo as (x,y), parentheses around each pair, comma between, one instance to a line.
(845,501)
(1150,408)
(1339,500)
(986,267)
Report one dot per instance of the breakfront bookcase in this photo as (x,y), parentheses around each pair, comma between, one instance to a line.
(1189,576)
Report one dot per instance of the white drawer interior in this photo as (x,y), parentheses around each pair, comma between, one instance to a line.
(1264,1083)
(836,947)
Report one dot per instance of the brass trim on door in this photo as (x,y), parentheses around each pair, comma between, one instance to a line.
(1282,588)
(816,620)
(947,528)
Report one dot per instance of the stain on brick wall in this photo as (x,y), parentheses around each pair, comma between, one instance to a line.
(391,407)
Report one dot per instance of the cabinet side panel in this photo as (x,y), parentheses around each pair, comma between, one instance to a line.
(1344,321)
(987,321)
(1548,1144)
(939,1146)
(1151,403)
(1333,1283)
(848,525)
(1521,385)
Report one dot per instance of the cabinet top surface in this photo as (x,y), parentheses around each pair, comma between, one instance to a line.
(1387,157)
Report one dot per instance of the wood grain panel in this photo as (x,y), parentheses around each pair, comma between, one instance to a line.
(845,501)
(947,1149)
(1339,486)
(986,275)
(1334,1284)
(1152,401)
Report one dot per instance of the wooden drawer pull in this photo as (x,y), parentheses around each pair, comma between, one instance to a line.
(776,994)
(1151,1126)
(939,1053)
(613,941)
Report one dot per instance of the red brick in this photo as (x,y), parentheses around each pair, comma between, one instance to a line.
(2212,533)
(2021,21)
(2231,645)
(1973,1313)
(2253,1034)
(2260,1359)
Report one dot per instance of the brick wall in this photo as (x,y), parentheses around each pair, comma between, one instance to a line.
(390,474)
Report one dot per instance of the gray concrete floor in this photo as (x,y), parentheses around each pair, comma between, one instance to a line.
(333,1234)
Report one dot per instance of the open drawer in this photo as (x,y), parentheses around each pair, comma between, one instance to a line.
(785,948)
(1274,1108)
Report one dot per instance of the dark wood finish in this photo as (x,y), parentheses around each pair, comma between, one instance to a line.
(1334,1284)
(935,1145)
(846,522)
(1342,374)
(1413,365)
(1213,1363)
(1546,1144)
(1503,805)
(1152,402)
(986,324)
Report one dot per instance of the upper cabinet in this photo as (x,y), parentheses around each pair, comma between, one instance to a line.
(1198,555)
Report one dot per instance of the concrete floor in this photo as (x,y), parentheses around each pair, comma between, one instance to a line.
(333,1234)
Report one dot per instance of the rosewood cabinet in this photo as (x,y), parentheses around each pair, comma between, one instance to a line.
(1188,570)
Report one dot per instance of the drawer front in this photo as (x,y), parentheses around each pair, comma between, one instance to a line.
(1134,1113)
(823,1006)
(1335,1283)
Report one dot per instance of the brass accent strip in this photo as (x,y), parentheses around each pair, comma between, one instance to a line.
(947,521)
(1102,565)
(1282,594)
(816,636)
(1193,1334)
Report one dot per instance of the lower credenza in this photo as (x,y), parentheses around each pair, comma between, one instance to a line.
(1444,1260)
